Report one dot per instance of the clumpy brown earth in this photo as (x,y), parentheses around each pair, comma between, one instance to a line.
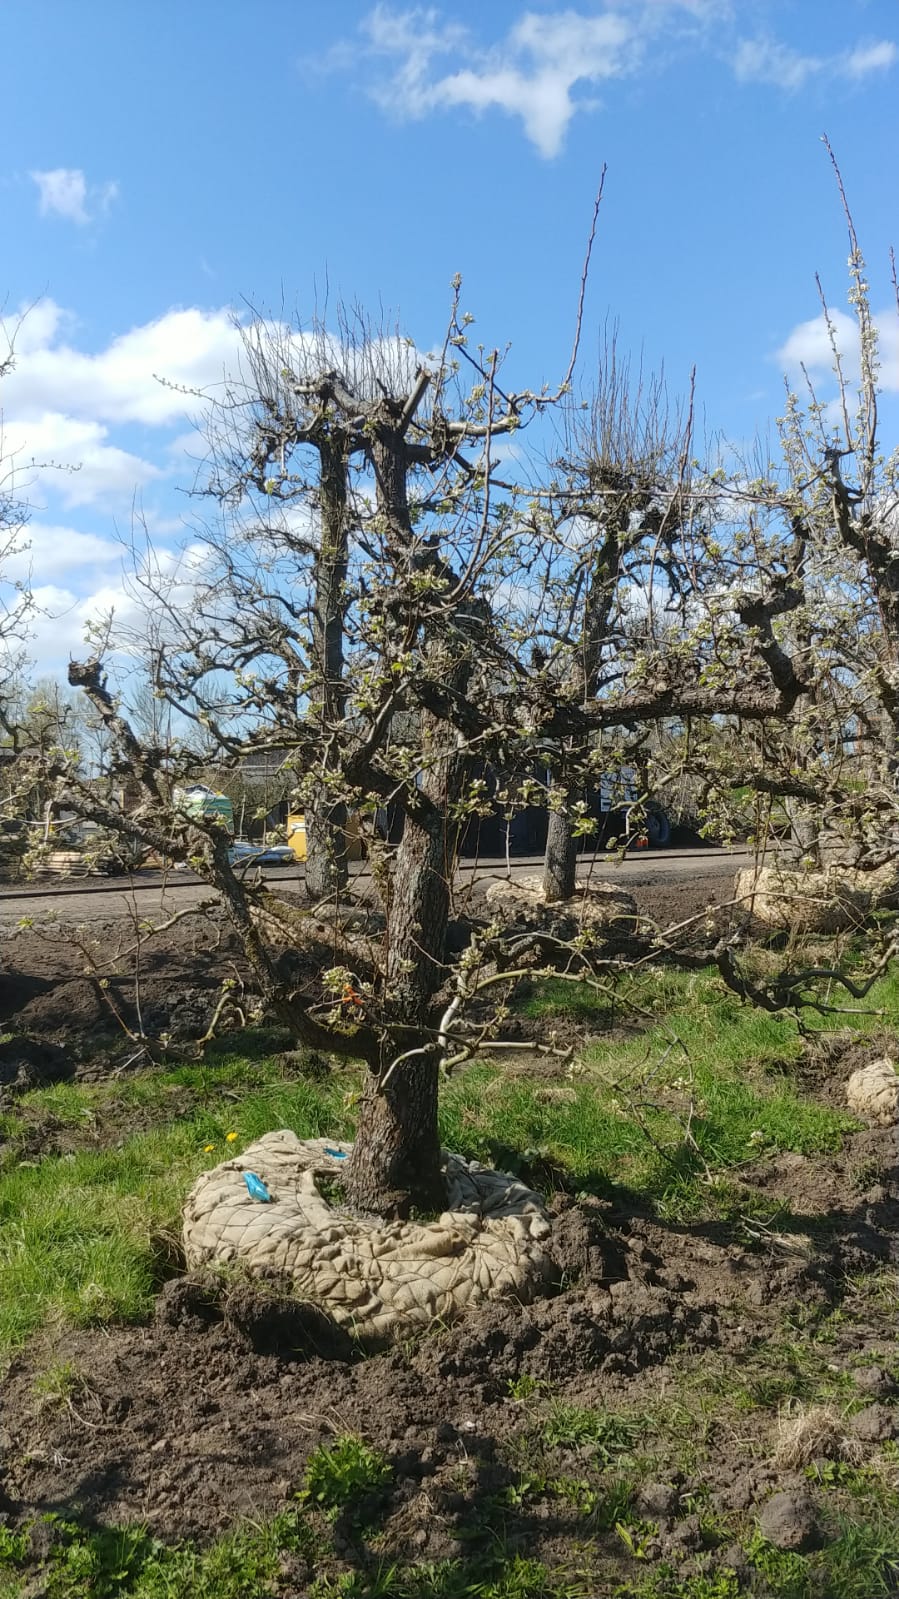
(80,987)
(692,1343)
(209,1414)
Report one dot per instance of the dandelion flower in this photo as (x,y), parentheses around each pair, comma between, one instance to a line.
(208,1148)
(231,1137)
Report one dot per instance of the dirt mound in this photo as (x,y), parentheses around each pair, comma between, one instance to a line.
(70,1007)
(594,907)
(31,1063)
(17,988)
(211,1412)
(70,984)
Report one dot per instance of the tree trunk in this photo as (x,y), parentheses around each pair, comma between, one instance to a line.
(396,1160)
(804,823)
(326,845)
(395,1166)
(560,858)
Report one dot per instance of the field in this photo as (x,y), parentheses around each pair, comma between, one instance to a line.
(708,1407)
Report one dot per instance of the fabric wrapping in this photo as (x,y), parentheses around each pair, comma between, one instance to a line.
(814,902)
(873,1093)
(377,1279)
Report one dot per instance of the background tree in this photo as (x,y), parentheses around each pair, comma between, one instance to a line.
(15,612)
(823,523)
(617,507)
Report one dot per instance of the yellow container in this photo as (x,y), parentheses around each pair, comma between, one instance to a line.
(296,835)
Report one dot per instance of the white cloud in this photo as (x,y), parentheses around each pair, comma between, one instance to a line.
(766,60)
(809,346)
(87,435)
(543,69)
(870,58)
(55,549)
(65,192)
(67,408)
(62,618)
(187,349)
(32,328)
(531,73)
(74,457)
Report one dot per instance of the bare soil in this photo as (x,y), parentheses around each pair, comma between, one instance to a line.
(83,987)
(210,1412)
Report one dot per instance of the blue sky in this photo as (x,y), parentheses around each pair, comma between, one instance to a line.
(165,163)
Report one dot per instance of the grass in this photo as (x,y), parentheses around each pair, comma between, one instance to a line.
(576,1427)
(337,1479)
(286,1555)
(87,1234)
(621,1118)
(58,1382)
(115,1561)
(89,1228)
(86,1237)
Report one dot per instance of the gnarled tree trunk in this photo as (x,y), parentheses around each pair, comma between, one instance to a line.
(396,1159)
(326,819)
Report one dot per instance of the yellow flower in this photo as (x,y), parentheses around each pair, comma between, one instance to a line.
(208,1148)
(231,1137)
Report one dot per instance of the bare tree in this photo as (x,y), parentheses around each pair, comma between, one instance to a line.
(822,524)
(444,588)
(15,612)
(618,508)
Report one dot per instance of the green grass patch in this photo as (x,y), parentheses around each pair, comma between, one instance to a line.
(339,1480)
(114,1561)
(570,1426)
(252,1563)
(87,1234)
(621,1117)
(555,997)
(85,1237)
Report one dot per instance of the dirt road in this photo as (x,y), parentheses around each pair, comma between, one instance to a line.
(151,895)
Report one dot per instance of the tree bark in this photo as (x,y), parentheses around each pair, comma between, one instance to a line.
(326,844)
(560,855)
(396,1164)
(326,819)
(396,1167)
(560,858)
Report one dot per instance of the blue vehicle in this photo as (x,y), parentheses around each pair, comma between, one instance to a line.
(245,853)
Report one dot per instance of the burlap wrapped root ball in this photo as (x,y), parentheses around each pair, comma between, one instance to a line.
(872,1093)
(594,907)
(379,1280)
(814,902)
